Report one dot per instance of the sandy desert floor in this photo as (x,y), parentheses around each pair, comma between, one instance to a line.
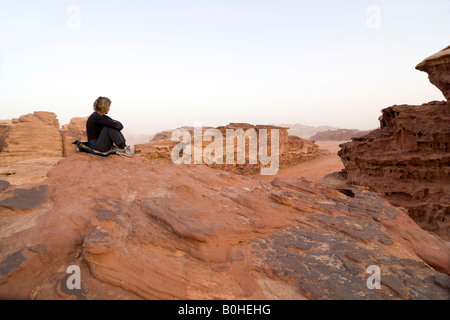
(314,169)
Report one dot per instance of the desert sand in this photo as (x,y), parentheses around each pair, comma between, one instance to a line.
(314,169)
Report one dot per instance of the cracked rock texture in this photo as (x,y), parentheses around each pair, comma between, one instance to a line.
(407,160)
(149,229)
(29,137)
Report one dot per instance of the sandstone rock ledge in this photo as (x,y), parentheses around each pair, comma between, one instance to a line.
(148,229)
(438,68)
(292,149)
(31,136)
(33,143)
(407,160)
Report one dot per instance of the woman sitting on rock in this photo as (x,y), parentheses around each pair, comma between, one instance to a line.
(103,133)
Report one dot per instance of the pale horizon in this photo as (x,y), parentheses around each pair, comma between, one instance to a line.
(171,64)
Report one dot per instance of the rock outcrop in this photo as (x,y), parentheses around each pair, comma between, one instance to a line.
(34,143)
(407,160)
(339,135)
(161,145)
(438,68)
(75,130)
(292,149)
(31,136)
(149,229)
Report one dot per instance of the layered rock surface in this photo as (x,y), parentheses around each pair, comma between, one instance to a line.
(28,171)
(292,149)
(31,136)
(75,130)
(407,160)
(149,229)
(438,68)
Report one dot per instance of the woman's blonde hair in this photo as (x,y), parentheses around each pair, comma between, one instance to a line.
(101,104)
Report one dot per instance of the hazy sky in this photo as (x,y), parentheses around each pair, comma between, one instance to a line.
(168,63)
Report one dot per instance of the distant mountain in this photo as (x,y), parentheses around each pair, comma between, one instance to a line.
(339,135)
(136,138)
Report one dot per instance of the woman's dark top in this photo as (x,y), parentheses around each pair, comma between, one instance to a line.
(96,122)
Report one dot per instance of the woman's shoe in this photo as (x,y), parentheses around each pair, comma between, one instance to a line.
(125,152)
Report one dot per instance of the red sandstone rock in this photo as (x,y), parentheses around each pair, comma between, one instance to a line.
(28,171)
(75,130)
(154,230)
(438,68)
(31,136)
(292,149)
(407,160)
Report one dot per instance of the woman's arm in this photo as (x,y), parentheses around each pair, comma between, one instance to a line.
(107,121)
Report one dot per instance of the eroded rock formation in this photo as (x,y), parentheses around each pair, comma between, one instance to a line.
(407,159)
(438,68)
(154,230)
(34,143)
(292,149)
(31,136)
(75,130)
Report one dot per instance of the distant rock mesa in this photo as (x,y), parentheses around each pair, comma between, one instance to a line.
(292,149)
